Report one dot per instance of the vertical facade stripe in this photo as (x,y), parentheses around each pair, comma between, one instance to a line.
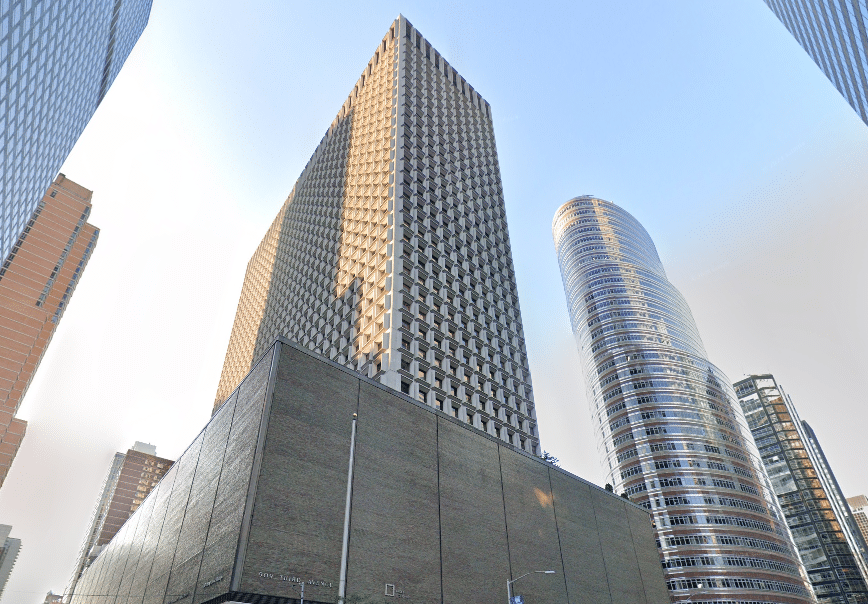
(833,33)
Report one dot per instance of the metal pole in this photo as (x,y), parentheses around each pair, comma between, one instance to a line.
(509,583)
(302,592)
(342,585)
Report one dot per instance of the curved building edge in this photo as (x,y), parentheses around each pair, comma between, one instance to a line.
(669,428)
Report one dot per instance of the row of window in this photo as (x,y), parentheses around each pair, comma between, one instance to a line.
(690,446)
(736,583)
(679,519)
(719,539)
(705,500)
(729,560)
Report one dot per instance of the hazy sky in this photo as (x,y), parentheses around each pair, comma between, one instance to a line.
(705,120)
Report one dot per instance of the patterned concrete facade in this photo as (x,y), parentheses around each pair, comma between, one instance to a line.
(37,281)
(391,255)
(441,511)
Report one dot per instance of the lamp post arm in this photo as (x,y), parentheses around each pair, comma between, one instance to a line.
(523,576)
(509,586)
(509,583)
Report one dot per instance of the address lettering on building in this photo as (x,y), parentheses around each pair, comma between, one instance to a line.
(294,579)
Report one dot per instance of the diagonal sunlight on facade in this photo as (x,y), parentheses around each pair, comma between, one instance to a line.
(251,306)
(363,250)
(392,254)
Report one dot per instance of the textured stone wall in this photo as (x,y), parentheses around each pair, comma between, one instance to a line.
(441,511)
(186,532)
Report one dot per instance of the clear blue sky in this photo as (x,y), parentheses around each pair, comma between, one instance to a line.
(705,120)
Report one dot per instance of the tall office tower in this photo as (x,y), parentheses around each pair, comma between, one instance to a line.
(391,255)
(8,554)
(131,477)
(670,431)
(825,534)
(834,35)
(36,283)
(859,507)
(58,59)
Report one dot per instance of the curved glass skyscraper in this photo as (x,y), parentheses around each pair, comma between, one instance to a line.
(670,431)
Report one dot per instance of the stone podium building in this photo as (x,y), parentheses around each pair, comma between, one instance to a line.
(441,511)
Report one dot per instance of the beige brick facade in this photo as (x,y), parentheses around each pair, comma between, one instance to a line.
(37,280)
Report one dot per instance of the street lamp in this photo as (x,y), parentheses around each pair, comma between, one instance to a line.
(509,583)
(302,591)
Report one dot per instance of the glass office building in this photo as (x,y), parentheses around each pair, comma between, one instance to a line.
(825,532)
(58,59)
(833,33)
(670,431)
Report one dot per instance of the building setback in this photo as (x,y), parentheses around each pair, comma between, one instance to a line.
(9,551)
(37,281)
(58,59)
(670,431)
(834,35)
(131,477)
(859,507)
(440,511)
(392,256)
(826,536)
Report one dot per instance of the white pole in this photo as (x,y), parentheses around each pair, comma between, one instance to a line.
(342,585)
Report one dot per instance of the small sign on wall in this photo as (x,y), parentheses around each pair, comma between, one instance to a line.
(394,592)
